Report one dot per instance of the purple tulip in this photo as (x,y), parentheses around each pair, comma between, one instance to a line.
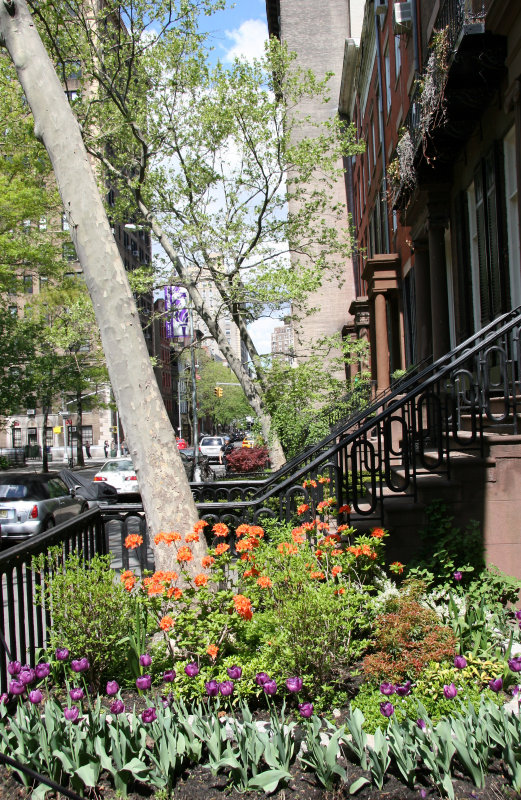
(261,678)
(294,684)
(27,676)
(145,660)
(76,693)
(460,662)
(387,688)
(387,709)
(16,687)
(169,675)
(404,690)
(62,654)
(421,724)
(518,615)
(458,576)
(35,696)
(496,684)
(117,707)
(42,670)
(212,688)
(71,714)
(144,682)
(305,709)
(4,697)
(450,691)
(269,686)
(14,667)
(112,688)
(234,672)
(226,688)
(192,669)
(149,715)
(80,665)
(516,691)
(515,664)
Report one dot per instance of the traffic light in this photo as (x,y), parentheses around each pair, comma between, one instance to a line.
(218,391)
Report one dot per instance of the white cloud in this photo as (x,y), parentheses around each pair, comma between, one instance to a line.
(260,331)
(248,40)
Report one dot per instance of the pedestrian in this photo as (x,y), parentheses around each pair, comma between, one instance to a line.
(87,449)
(113,451)
(106,448)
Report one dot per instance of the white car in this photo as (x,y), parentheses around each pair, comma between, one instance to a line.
(119,473)
(210,446)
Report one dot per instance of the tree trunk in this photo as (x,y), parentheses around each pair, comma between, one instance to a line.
(45,455)
(165,491)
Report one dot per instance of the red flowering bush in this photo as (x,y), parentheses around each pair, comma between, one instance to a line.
(407,640)
(247,459)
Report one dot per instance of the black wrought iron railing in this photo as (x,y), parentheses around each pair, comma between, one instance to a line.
(416,428)
(247,490)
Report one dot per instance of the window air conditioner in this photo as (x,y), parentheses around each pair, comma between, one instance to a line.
(402,17)
(31,412)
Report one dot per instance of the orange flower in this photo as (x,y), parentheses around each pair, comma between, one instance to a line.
(242,606)
(125,575)
(242,530)
(309,526)
(365,550)
(287,548)
(174,592)
(201,580)
(129,584)
(303,508)
(341,590)
(344,510)
(378,533)
(133,540)
(309,483)
(264,582)
(324,480)
(221,548)
(356,551)
(257,531)
(250,573)
(166,623)
(336,552)
(167,538)
(297,536)
(220,529)
(336,571)
(343,528)
(207,561)
(212,651)
(192,537)
(198,527)
(245,544)
(397,567)
(317,575)
(319,554)
(184,554)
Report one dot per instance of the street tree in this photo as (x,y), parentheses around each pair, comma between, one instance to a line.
(166,494)
(209,157)
(229,408)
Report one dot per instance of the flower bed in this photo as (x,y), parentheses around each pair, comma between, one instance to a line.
(227,674)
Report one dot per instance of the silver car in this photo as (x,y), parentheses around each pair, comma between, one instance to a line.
(210,446)
(32,502)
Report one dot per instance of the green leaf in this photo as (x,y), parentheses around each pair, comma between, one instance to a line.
(357,785)
(89,773)
(269,780)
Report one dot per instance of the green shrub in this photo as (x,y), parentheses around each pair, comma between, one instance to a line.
(90,611)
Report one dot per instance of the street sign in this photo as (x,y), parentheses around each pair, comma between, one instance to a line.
(57,429)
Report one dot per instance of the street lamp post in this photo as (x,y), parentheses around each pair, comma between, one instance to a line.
(197,475)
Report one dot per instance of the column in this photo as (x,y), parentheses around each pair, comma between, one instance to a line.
(437,222)
(423,344)
(382,343)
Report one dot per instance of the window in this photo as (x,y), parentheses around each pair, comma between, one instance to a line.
(44,280)
(86,434)
(512,199)
(28,284)
(32,436)
(68,251)
(57,488)
(17,437)
(65,222)
(43,223)
(13,310)
(48,437)
(72,94)
(397,57)
(111,198)
(387,62)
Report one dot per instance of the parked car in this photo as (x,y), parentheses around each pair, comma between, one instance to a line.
(210,446)
(33,502)
(182,444)
(94,494)
(119,473)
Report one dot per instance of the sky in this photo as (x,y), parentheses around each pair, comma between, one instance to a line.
(240,31)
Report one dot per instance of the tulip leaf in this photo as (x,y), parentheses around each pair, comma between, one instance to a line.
(357,785)
(268,780)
